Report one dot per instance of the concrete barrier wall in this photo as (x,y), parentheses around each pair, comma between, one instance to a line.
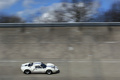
(63,43)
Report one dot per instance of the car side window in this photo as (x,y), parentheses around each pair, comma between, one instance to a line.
(37,67)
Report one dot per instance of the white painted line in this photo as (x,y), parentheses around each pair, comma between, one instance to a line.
(110,42)
(44,61)
(31,76)
(78,61)
(59,42)
(110,61)
(11,61)
(45,76)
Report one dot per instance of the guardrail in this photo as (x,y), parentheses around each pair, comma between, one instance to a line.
(76,24)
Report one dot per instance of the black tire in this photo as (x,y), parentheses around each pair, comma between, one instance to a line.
(27,72)
(49,72)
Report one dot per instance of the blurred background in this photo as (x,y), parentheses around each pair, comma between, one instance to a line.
(39,11)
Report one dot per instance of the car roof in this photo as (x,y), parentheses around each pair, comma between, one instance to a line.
(35,63)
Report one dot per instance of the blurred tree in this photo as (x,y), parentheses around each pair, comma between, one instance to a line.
(70,11)
(83,9)
(113,14)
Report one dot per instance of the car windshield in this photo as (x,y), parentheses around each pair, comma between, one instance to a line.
(43,65)
(30,64)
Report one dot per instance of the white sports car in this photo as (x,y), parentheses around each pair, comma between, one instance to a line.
(39,67)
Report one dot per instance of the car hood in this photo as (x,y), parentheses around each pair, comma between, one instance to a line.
(50,65)
(25,64)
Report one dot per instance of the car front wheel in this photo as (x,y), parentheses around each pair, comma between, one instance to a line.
(27,72)
(49,72)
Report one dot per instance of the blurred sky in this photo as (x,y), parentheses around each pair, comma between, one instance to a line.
(105,4)
(21,5)
(18,6)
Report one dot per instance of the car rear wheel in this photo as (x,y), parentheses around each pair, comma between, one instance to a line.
(49,72)
(27,72)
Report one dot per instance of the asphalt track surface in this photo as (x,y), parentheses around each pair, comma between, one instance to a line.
(69,70)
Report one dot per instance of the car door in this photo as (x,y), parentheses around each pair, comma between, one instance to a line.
(39,69)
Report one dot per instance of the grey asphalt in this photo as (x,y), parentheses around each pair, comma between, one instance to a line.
(70,69)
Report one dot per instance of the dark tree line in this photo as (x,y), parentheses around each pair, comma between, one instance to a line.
(10,19)
(113,14)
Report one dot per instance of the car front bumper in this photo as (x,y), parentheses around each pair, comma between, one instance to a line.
(58,71)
